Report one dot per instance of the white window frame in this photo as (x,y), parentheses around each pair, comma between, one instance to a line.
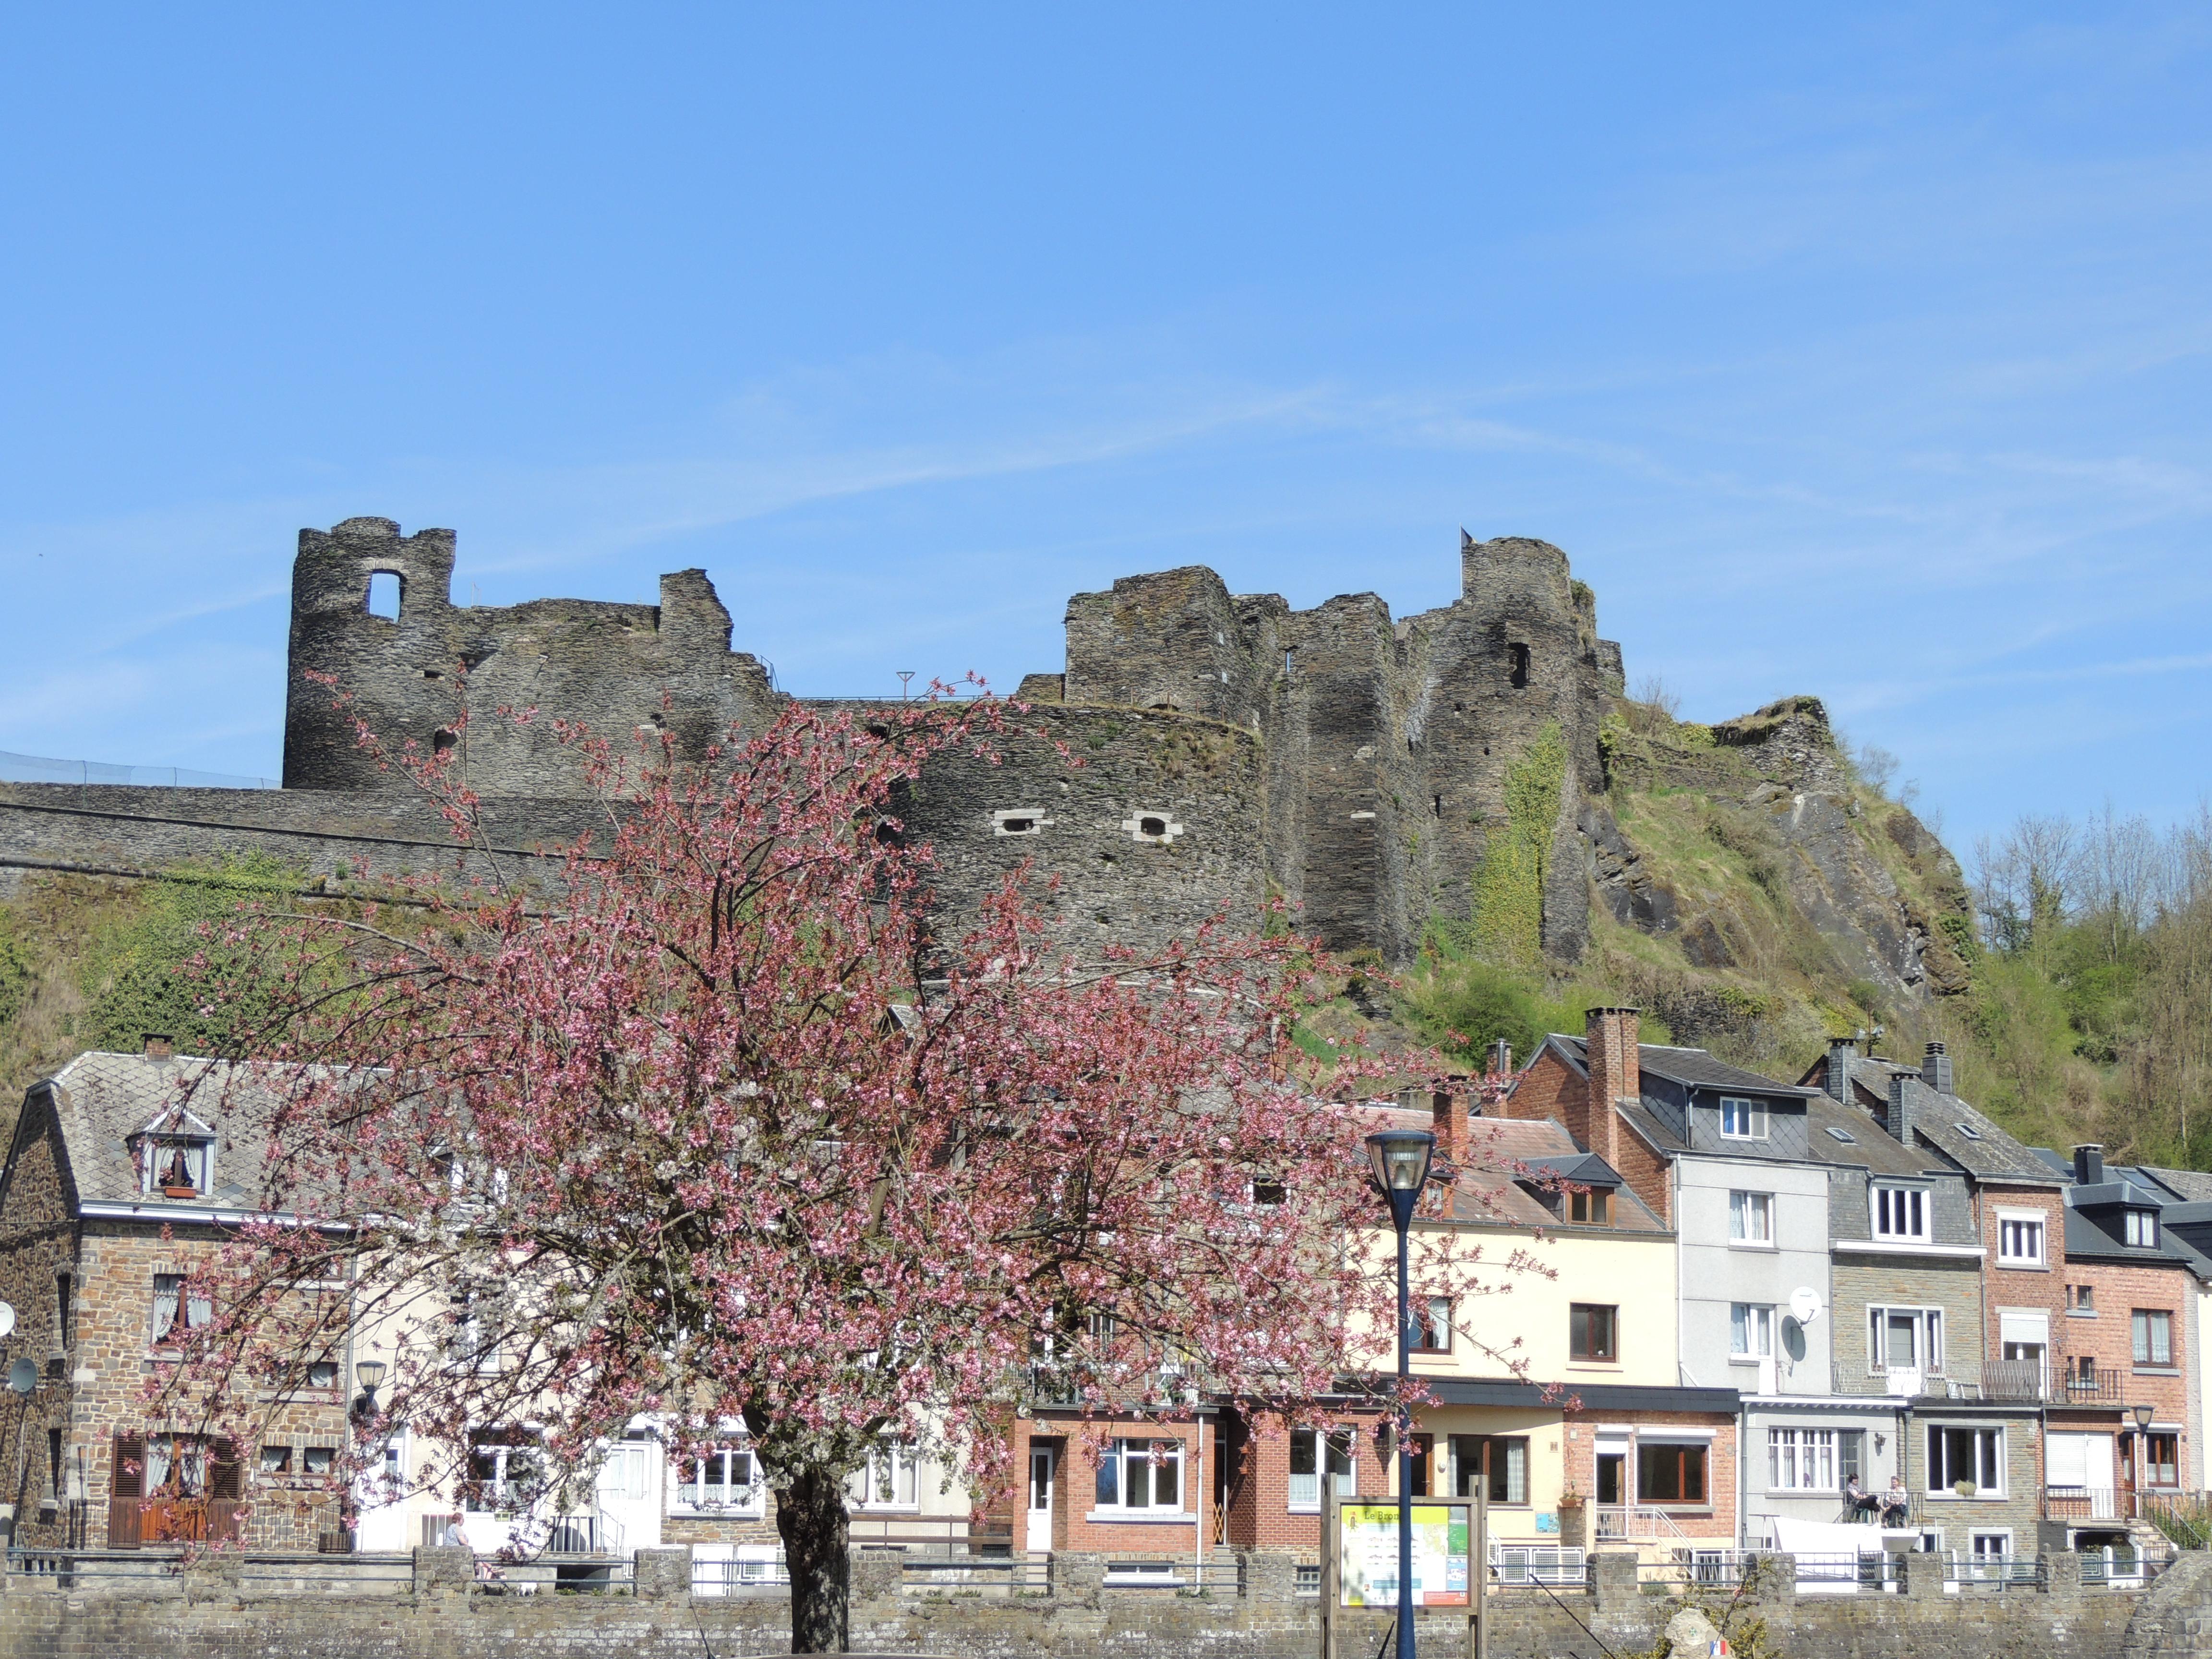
(199,1155)
(174,1304)
(718,1491)
(2020,1227)
(1749,1117)
(1995,1431)
(1339,1448)
(1752,1322)
(1801,1459)
(2141,1229)
(1928,1359)
(1154,1453)
(1751,1220)
(1889,1203)
(895,1458)
(502,1490)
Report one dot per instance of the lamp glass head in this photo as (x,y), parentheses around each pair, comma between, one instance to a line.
(370,1373)
(1400,1157)
(2144,1414)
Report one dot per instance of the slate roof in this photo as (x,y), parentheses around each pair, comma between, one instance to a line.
(1693,1067)
(104,1102)
(1870,1148)
(1501,1153)
(2190,1186)
(1970,1140)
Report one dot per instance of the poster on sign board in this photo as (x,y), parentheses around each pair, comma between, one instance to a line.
(1367,1554)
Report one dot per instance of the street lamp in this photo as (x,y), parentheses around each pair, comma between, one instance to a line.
(369,1373)
(1400,1159)
(2142,1416)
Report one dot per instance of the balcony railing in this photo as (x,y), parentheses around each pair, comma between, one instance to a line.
(2007,1381)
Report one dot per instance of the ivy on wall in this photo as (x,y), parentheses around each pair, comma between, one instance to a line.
(1508,910)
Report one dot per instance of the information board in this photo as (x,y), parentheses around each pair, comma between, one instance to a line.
(1367,1554)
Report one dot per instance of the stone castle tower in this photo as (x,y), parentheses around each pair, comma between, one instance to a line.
(1359,767)
(605,664)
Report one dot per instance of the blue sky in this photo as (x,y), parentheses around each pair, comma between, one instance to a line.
(1862,354)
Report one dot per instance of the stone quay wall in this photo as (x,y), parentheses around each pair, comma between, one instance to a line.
(213,1608)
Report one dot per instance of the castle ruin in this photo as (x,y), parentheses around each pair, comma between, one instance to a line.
(1357,766)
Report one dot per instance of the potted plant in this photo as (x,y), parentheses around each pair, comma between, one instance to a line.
(1964,1488)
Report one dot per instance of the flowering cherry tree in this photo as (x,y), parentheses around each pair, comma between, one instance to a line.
(721,1126)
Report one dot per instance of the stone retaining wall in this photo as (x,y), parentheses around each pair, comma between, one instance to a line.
(202,1612)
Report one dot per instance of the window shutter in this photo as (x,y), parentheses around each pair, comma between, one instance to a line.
(127,1472)
(227,1474)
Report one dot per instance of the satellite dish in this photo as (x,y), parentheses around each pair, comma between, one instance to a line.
(1805,1304)
(6,1317)
(23,1378)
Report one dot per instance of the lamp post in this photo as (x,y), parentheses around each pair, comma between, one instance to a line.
(1400,1160)
(369,1373)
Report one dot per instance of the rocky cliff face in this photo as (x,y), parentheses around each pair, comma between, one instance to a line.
(1751,878)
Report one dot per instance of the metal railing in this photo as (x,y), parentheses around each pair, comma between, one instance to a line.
(937,1535)
(1616,1522)
(44,768)
(761,1572)
(2166,1510)
(976,1575)
(1998,1572)
(1536,1564)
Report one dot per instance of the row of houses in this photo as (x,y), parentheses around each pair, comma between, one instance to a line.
(1753,1302)
(1759,1300)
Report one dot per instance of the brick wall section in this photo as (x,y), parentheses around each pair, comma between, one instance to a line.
(1717,1520)
(1550,1088)
(1261,1517)
(2043,1288)
(2108,1337)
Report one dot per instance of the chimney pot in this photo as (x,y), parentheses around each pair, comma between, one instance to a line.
(2089,1165)
(159,1045)
(1936,1069)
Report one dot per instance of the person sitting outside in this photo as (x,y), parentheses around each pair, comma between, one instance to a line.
(1863,1504)
(1896,1504)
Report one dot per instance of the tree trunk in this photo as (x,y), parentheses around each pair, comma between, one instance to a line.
(809,1518)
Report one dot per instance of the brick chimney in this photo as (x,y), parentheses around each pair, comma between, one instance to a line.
(2089,1165)
(1842,1051)
(1450,1124)
(1936,1069)
(1499,1060)
(159,1045)
(1609,1038)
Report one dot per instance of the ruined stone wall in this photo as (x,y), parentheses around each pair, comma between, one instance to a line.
(1387,744)
(609,666)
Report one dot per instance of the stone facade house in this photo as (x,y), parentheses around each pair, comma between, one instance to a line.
(122,1170)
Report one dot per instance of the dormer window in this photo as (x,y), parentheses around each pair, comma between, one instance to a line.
(2143,1228)
(176,1155)
(1900,1213)
(1742,1120)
